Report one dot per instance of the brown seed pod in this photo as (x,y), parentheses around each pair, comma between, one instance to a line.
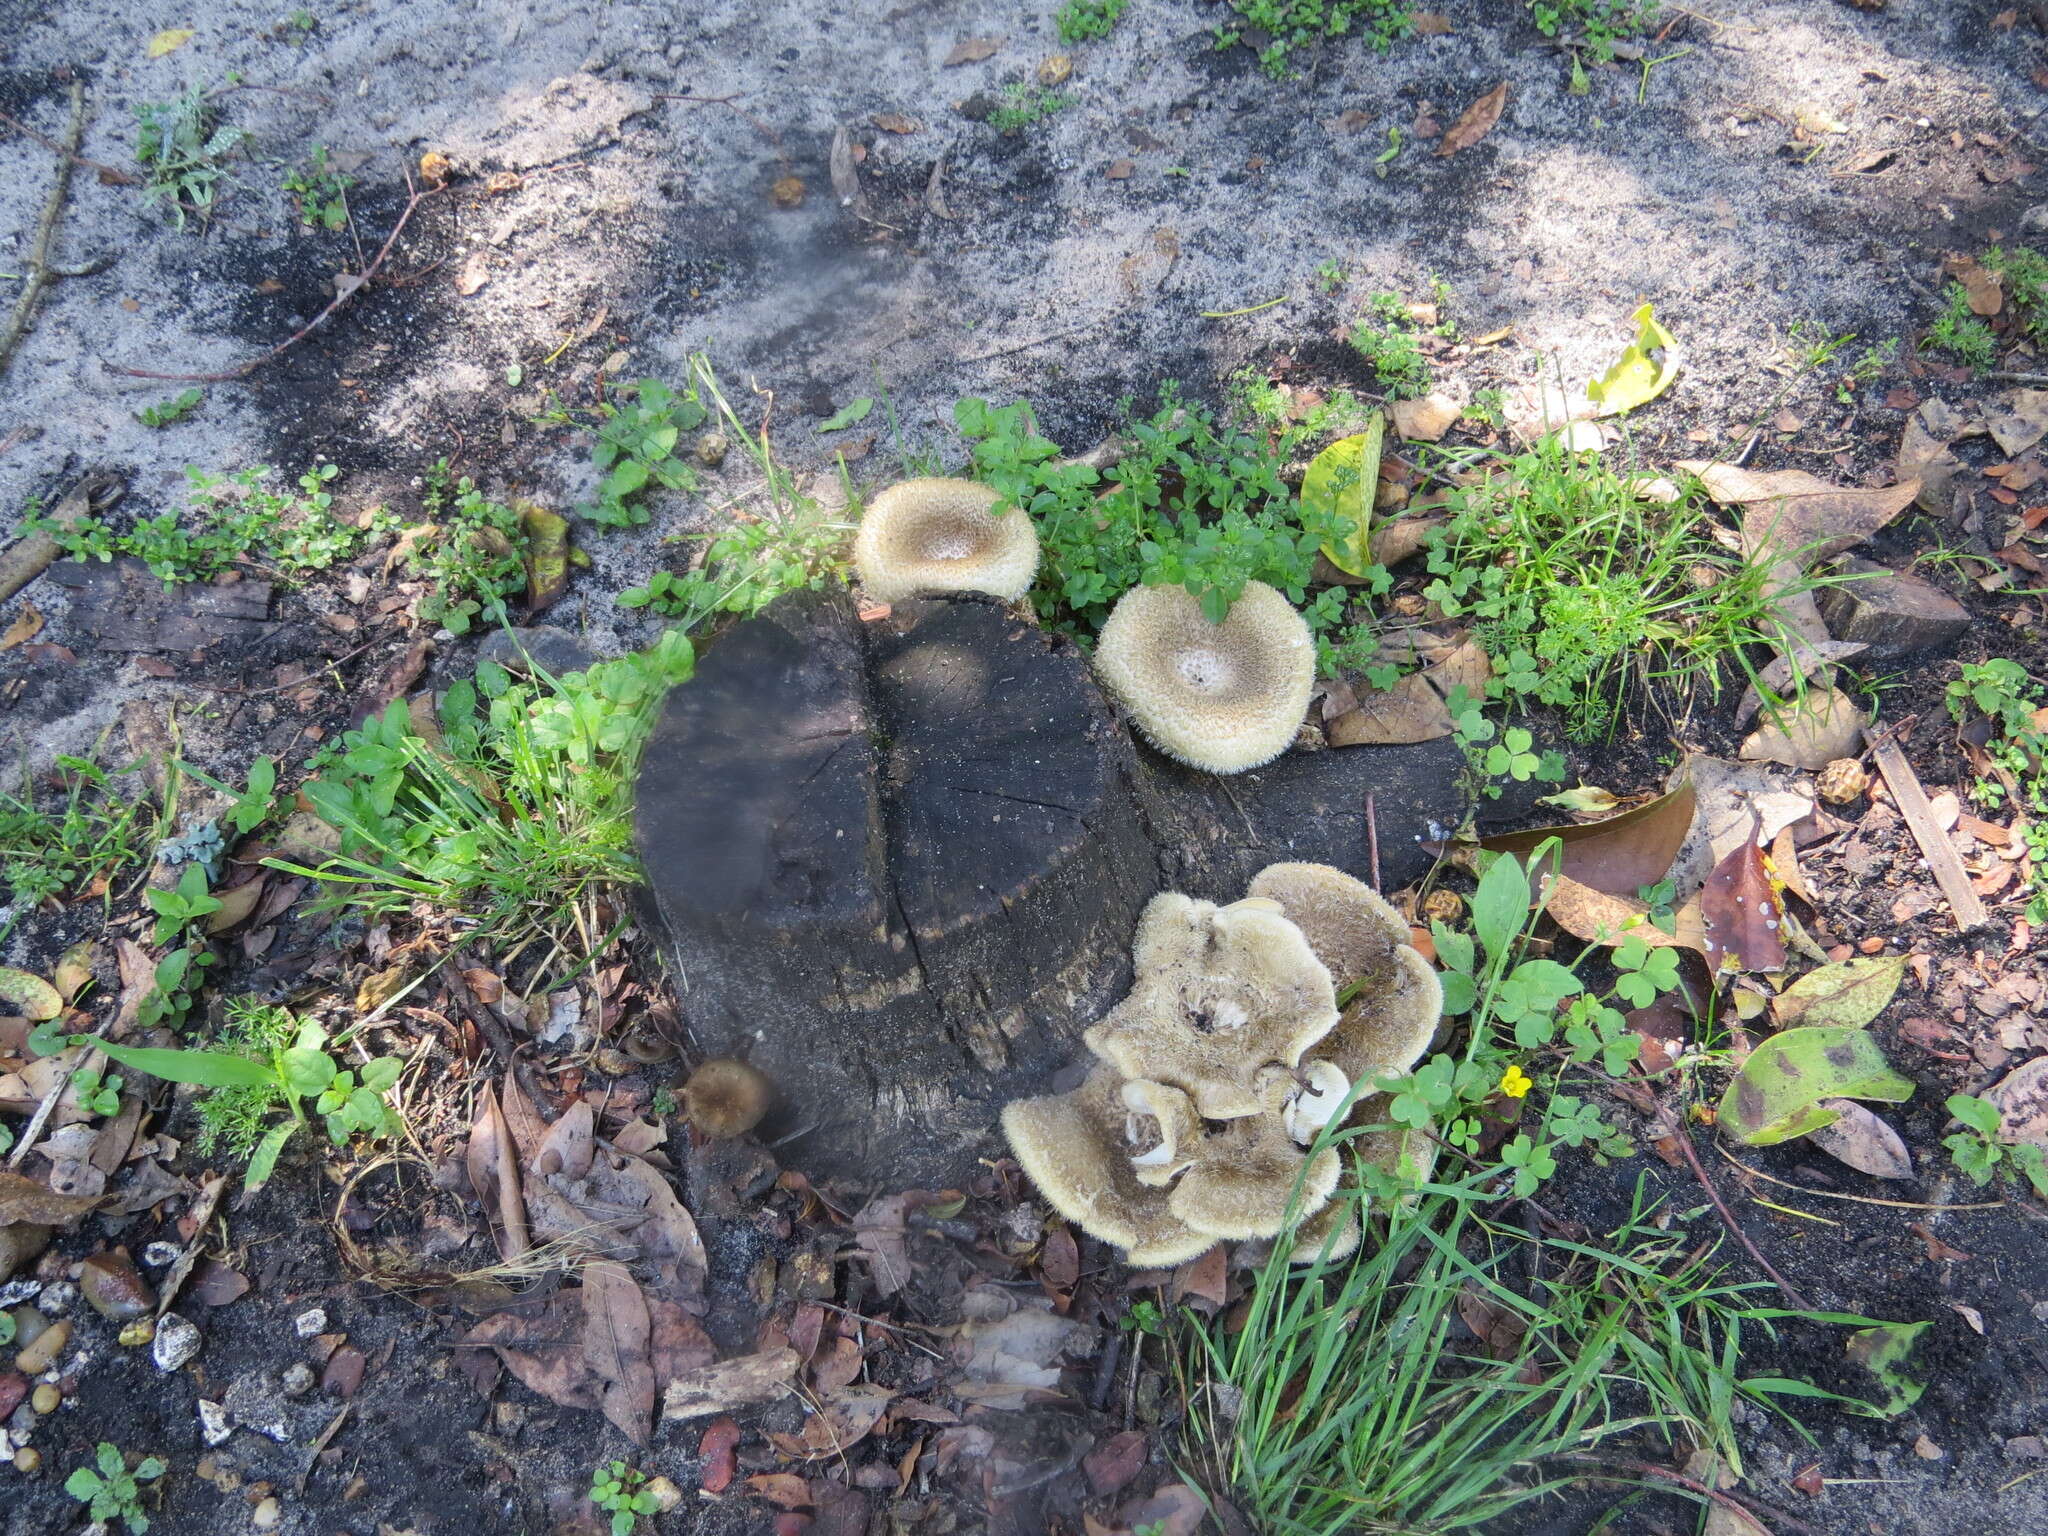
(726,1097)
(1842,781)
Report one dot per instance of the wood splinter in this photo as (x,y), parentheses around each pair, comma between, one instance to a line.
(1911,800)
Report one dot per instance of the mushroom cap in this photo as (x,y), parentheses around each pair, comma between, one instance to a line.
(1389,1027)
(726,1097)
(1221,697)
(1074,1147)
(1323,1090)
(929,537)
(1249,1178)
(1351,927)
(1156,1112)
(1220,992)
(1336,1225)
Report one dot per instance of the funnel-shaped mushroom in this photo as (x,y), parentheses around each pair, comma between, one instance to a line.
(1222,697)
(1091,1154)
(926,538)
(1220,992)
(1351,927)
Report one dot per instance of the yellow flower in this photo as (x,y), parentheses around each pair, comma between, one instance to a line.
(1514,1083)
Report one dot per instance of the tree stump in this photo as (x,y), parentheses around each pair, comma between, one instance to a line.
(899,864)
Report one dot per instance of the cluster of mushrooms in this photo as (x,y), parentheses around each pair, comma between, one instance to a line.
(1213,1079)
(1221,697)
(1215,1075)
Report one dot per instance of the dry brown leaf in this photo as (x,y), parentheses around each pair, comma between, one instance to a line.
(1428,419)
(2016,423)
(1745,922)
(896,122)
(2022,1100)
(1430,24)
(235,905)
(1621,854)
(845,180)
(1408,712)
(616,1335)
(1808,733)
(22,1199)
(1863,1141)
(971,50)
(1392,542)
(474,275)
(842,1421)
(26,626)
(1800,516)
(1476,122)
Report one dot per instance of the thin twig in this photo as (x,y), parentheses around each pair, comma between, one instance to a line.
(1372,836)
(1728,1219)
(108,173)
(1830,1194)
(2018,378)
(414,199)
(39,273)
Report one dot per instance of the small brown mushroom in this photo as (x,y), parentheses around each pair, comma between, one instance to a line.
(929,537)
(726,1097)
(1222,697)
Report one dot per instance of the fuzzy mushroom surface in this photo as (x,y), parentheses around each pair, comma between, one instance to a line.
(726,1097)
(934,536)
(1221,697)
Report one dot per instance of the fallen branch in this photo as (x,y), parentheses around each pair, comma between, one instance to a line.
(1940,854)
(39,272)
(109,175)
(344,292)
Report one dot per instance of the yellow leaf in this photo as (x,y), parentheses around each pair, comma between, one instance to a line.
(169,42)
(1341,483)
(1643,372)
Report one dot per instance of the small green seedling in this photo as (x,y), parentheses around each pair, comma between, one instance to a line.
(620,1491)
(97,1094)
(175,409)
(636,447)
(1086,21)
(1980,1154)
(113,1492)
(1025,104)
(180,146)
(177,909)
(320,191)
(252,806)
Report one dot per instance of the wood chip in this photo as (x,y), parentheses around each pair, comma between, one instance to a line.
(1911,800)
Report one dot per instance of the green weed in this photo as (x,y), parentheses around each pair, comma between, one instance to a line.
(1292,25)
(181,146)
(784,541)
(2010,701)
(88,837)
(511,803)
(1570,580)
(1960,331)
(636,447)
(1597,24)
(621,1492)
(271,1075)
(166,412)
(1084,21)
(2026,287)
(1980,1153)
(1388,338)
(1025,104)
(1192,503)
(471,551)
(319,192)
(111,1489)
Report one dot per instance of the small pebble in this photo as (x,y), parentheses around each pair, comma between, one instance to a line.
(45,1398)
(214,1424)
(29,1325)
(28,1461)
(158,1254)
(177,1341)
(298,1379)
(115,1289)
(38,1357)
(138,1333)
(313,1320)
(267,1514)
(58,1298)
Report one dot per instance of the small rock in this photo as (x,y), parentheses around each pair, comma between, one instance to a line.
(177,1342)
(28,1461)
(1890,612)
(665,1493)
(546,646)
(310,1322)
(114,1287)
(258,1403)
(214,1424)
(266,1515)
(46,1398)
(39,1356)
(13,1388)
(58,1298)
(298,1379)
(138,1333)
(1841,781)
(344,1372)
(1927,1450)
(712,449)
(158,1254)
(19,1245)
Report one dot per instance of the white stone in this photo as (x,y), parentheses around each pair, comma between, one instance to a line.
(310,1322)
(177,1342)
(58,1297)
(214,1424)
(158,1254)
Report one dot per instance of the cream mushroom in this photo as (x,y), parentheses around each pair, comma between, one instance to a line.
(930,537)
(1222,697)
